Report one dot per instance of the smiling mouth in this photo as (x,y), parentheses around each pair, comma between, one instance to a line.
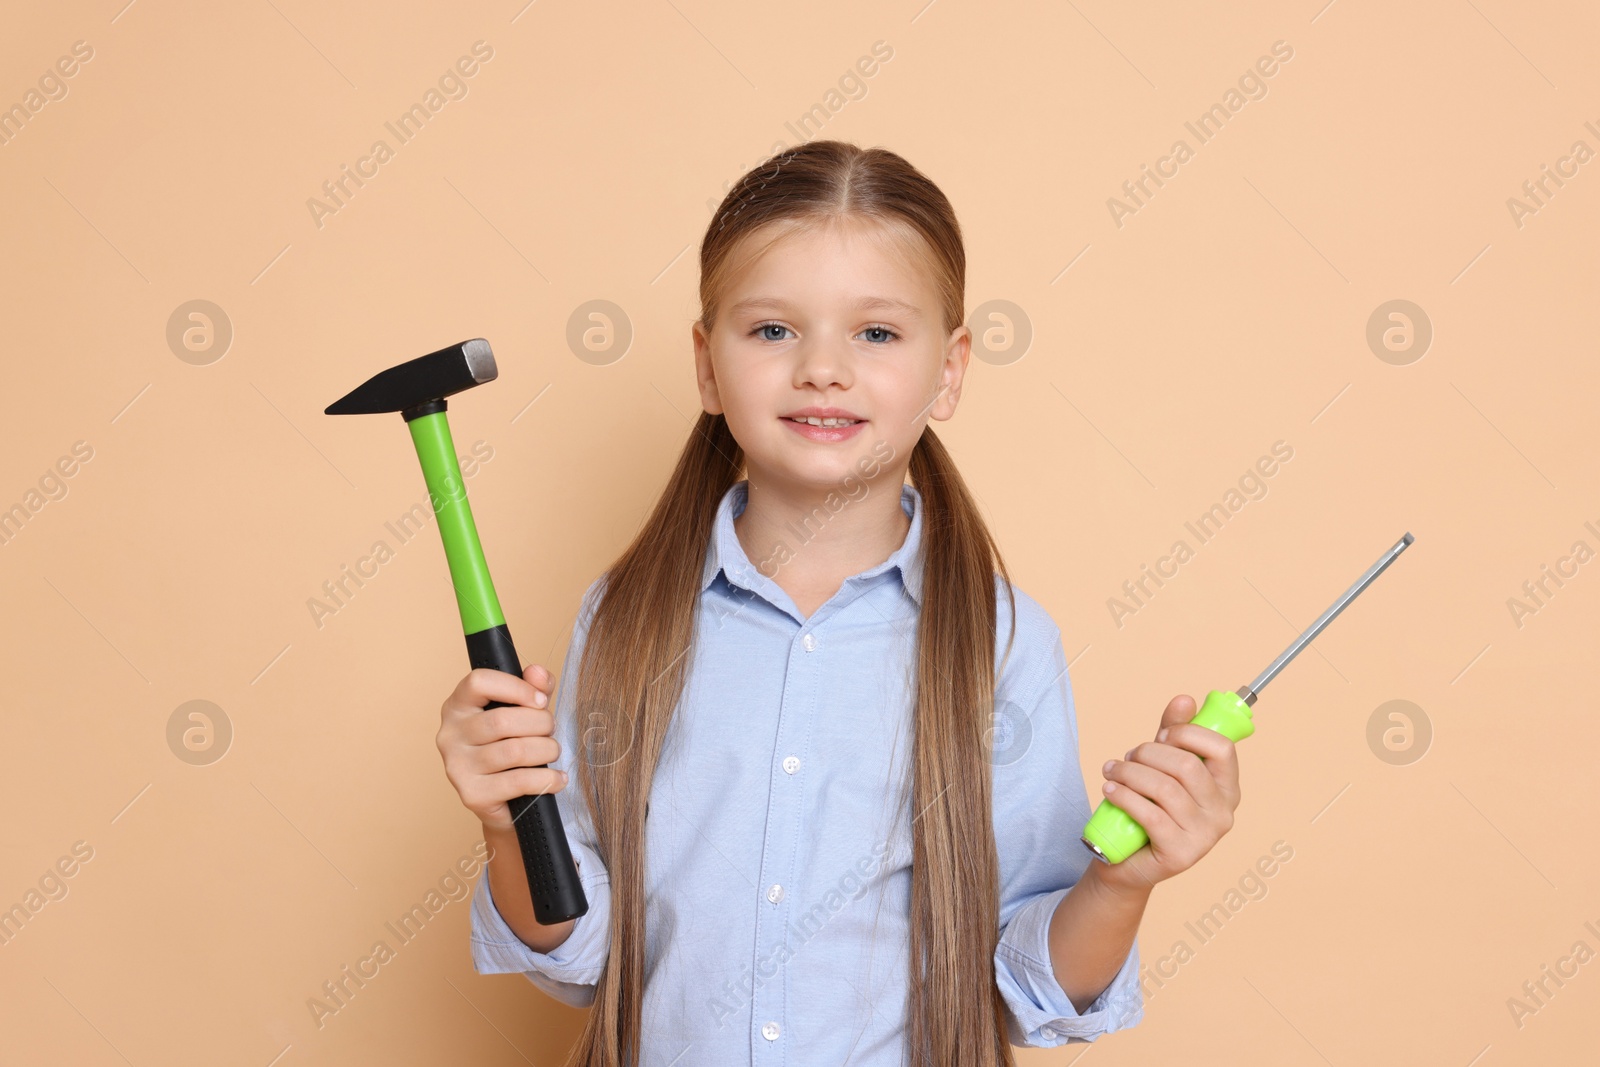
(813,420)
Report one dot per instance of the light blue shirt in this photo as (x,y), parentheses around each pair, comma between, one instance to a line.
(778,851)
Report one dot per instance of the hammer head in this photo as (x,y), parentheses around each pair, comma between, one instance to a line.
(418,381)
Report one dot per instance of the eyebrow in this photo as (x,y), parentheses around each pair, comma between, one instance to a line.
(869,303)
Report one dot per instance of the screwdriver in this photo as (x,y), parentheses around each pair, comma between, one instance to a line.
(1111,833)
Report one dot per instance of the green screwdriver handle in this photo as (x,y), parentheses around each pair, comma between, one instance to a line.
(1111,833)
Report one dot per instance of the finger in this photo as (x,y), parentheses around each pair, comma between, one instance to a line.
(482,685)
(487,727)
(1180,709)
(1220,754)
(514,752)
(1147,813)
(1203,741)
(492,789)
(538,676)
(1158,787)
(1187,767)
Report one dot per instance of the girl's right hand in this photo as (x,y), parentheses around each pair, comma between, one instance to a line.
(492,755)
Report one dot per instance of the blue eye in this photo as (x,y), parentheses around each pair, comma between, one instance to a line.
(887,334)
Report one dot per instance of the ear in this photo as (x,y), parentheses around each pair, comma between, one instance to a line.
(704,371)
(952,371)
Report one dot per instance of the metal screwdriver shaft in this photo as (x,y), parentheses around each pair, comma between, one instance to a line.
(1250,691)
(1111,833)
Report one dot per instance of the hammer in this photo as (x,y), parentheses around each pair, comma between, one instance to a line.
(417,390)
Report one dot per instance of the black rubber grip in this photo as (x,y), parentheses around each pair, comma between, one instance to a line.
(546,857)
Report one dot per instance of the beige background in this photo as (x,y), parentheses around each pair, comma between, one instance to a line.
(1167,355)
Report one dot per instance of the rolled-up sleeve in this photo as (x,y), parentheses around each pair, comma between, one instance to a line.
(1041,1014)
(569,971)
(1040,807)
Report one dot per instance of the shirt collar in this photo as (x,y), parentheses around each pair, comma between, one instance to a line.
(725,553)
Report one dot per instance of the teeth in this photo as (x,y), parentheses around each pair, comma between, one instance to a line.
(813,420)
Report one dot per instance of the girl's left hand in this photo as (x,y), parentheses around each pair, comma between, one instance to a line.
(1182,788)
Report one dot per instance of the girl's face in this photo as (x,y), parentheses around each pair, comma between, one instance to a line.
(829,318)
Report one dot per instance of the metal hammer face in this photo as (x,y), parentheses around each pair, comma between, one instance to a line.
(419,386)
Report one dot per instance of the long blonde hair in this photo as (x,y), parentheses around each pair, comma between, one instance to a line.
(632,670)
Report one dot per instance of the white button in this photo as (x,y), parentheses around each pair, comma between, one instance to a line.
(809,642)
(791,764)
(769,1031)
(1047,1031)
(775,894)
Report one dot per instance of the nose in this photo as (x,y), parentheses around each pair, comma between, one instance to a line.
(823,364)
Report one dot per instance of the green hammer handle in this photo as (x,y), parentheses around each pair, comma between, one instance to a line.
(1111,833)
(546,856)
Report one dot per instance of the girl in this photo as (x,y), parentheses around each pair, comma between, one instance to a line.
(829,801)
